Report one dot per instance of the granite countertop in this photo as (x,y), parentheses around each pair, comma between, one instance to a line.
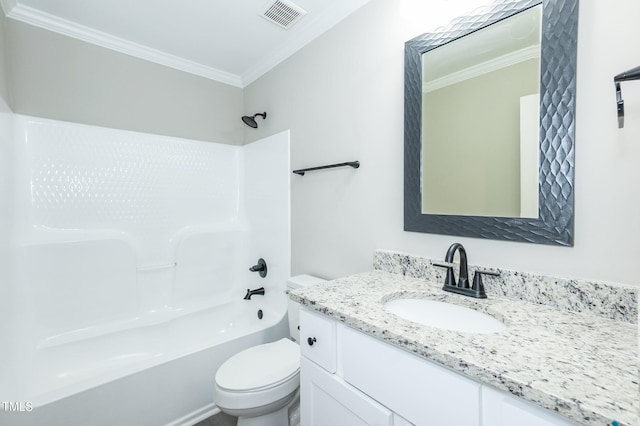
(579,365)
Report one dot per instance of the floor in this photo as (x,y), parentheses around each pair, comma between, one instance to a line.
(220,419)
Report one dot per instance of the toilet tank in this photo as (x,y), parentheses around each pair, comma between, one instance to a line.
(293,310)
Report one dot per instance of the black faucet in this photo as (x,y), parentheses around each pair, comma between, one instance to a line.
(260,267)
(250,293)
(462,286)
(463,274)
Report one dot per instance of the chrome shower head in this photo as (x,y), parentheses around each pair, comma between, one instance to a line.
(251,121)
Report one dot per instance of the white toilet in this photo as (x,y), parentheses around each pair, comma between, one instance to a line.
(260,385)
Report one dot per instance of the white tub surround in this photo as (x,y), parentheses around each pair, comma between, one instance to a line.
(130,258)
(580,365)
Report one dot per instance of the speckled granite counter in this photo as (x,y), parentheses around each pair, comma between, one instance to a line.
(579,365)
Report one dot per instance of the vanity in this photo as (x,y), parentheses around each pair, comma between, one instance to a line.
(362,364)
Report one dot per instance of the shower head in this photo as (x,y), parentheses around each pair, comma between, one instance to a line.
(251,121)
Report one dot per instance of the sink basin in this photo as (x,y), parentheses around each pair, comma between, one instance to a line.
(444,315)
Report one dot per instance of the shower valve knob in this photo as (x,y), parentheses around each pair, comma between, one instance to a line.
(260,267)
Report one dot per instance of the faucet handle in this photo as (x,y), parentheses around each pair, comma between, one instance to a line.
(478,285)
(260,267)
(449,279)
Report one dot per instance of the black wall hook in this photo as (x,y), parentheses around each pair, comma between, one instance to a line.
(632,74)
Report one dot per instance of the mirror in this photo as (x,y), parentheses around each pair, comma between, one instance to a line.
(489,124)
(488,81)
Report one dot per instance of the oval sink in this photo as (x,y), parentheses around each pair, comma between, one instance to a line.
(444,315)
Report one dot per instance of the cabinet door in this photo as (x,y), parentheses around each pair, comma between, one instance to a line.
(501,409)
(318,339)
(420,391)
(327,400)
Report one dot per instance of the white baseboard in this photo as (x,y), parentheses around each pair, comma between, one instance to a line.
(196,416)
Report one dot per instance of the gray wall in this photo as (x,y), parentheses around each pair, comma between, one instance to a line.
(342,97)
(58,77)
(4,92)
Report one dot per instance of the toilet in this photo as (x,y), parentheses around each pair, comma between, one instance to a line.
(260,385)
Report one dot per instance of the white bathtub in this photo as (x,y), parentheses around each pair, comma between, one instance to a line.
(160,374)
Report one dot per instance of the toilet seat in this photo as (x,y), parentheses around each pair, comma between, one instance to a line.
(260,367)
(259,376)
(261,388)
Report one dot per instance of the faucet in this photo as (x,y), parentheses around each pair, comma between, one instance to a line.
(462,285)
(463,274)
(250,293)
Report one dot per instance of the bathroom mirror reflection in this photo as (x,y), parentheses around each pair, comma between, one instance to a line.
(480,116)
(461,176)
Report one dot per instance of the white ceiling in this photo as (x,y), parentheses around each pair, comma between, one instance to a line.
(502,44)
(225,40)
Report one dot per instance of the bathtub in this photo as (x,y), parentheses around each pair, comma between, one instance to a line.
(160,374)
(126,261)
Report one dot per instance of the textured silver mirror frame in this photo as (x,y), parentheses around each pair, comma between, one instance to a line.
(557,129)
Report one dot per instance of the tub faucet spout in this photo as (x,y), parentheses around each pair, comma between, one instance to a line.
(250,293)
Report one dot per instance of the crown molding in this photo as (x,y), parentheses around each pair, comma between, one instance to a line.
(7,6)
(495,64)
(58,25)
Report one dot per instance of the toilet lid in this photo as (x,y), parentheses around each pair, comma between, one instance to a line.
(261,366)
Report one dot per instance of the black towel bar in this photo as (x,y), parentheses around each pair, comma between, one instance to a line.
(354,164)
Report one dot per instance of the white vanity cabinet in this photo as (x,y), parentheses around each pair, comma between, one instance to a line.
(325,398)
(349,378)
(418,390)
(501,409)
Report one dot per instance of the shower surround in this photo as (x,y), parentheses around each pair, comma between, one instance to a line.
(124,264)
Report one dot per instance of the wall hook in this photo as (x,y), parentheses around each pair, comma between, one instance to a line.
(632,74)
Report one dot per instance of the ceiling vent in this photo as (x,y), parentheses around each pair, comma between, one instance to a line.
(283,13)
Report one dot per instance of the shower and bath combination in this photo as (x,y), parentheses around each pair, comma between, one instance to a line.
(122,297)
(251,120)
